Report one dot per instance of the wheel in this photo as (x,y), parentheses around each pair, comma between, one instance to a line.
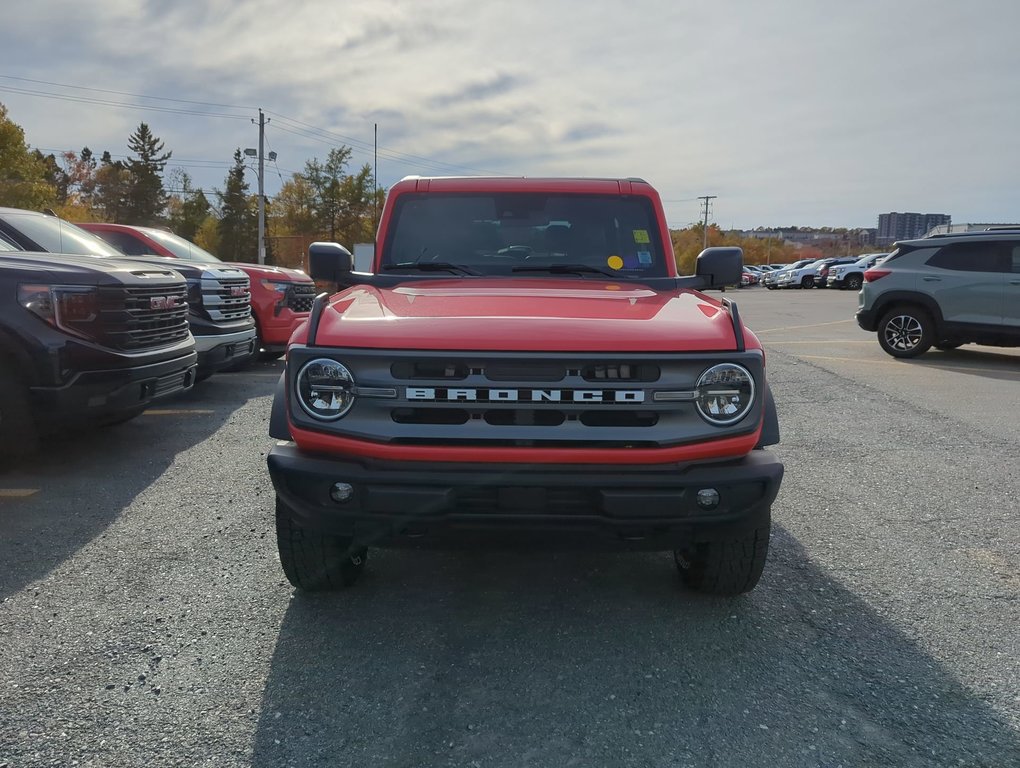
(807,282)
(854,282)
(314,561)
(18,433)
(947,346)
(906,331)
(725,566)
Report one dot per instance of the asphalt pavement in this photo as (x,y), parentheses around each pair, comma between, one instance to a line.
(144,618)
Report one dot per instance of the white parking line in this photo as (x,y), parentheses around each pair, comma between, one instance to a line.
(175,412)
(17,493)
(799,327)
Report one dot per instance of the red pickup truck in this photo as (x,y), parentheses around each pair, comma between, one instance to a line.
(280,298)
(524,364)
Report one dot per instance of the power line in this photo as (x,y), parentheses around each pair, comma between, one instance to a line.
(125,93)
(297,127)
(121,104)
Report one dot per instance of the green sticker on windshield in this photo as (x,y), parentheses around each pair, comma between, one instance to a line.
(641,236)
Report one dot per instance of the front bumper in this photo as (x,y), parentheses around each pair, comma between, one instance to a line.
(94,395)
(417,503)
(220,351)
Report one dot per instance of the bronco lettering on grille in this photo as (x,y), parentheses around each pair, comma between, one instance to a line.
(473,395)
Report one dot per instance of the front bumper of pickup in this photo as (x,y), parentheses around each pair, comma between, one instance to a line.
(216,352)
(101,394)
(424,504)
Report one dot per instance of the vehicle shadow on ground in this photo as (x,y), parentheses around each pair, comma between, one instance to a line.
(84,480)
(972,360)
(481,658)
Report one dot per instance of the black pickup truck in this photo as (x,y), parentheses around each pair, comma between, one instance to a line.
(86,341)
(219,295)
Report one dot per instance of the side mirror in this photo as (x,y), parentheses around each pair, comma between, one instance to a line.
(719,267)
(330,262)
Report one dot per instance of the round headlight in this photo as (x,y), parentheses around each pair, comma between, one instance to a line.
(725,394)
(325,389)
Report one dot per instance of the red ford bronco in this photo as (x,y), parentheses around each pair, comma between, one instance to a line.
(524,364)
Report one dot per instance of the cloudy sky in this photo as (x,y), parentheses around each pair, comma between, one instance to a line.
(798,112)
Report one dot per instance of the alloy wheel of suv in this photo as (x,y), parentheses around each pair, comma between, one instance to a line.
(905,332)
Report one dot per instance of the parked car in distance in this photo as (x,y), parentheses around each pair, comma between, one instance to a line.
(86,341)
(280,297)
(851,276)
(218,300)
(800,274)
(945,291)
(823,270)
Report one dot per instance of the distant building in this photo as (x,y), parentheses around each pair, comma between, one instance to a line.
(908,226)
(945,229)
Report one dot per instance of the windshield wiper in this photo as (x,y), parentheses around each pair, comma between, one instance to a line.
(567,269)
(432,266)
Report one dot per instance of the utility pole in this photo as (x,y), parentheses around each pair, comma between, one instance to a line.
(707,201)
(262,186)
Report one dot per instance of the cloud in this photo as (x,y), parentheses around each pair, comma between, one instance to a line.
(801,113)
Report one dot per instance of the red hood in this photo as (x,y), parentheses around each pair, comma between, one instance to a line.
(266,272)
(547,315)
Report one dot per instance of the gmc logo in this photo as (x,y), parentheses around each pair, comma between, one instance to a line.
(164,302)
(238,290)
(581,396)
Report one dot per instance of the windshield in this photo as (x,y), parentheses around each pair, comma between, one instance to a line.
(58,236)
(182,249)
(534,232)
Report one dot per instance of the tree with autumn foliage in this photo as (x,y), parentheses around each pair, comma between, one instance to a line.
(23,172)
(689,242)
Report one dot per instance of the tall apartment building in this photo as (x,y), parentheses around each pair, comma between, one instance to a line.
(907,226)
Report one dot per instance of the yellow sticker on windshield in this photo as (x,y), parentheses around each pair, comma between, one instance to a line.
(615,262)
(641,236)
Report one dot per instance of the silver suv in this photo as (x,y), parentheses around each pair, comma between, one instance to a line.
(945,291)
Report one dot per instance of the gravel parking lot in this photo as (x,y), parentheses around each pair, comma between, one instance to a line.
(144,618)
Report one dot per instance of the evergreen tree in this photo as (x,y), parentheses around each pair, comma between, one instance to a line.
(112,190)
(146,201)
(238,217)
(187,207)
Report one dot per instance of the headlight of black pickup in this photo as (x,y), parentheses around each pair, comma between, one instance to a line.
(725,393)
(72,308)
(325,389)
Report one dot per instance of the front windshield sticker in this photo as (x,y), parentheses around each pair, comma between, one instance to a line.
(641,236)
(614,262)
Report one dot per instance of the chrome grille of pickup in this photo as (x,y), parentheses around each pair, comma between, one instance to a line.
(139,318)
(226,299)
(300,297)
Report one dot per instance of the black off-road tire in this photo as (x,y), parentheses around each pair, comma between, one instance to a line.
(906,331)
(18,433)
(854,282)
(315,561)
(725,567)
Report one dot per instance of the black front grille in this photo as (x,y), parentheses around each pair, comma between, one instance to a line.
(300,298)
(137,318)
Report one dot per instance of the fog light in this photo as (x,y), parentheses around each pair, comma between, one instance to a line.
(708,498)
(341,492)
